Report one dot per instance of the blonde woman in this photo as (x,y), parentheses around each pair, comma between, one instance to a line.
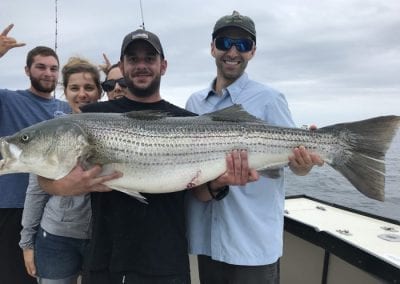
(56,229)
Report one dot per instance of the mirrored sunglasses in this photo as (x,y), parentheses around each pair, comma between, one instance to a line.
(109,85)
(241,44)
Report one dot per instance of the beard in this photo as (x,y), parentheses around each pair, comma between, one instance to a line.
(230,75)
(145,92)
(39,87)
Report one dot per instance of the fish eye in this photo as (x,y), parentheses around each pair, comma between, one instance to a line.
(25,138)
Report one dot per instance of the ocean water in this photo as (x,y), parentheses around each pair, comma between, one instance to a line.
(327,184)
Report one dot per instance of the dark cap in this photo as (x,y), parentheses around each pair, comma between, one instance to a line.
(235,20)
(142,35)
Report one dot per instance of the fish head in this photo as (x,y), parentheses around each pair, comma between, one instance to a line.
(50,149)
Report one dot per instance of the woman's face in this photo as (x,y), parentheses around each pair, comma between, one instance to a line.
(81,90)
(119,91)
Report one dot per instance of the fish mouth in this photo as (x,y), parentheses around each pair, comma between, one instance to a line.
(3,147)
(6,154)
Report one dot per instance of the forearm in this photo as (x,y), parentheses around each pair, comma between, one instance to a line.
(201,193)
(27,237)
(35,203)
(79,181)
(53,187)
(211,190)
(62,187)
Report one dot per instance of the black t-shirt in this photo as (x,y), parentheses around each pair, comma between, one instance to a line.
(132,236)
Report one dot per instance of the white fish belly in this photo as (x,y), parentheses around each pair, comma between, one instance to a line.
(262,161)
(162,179)
(165,179)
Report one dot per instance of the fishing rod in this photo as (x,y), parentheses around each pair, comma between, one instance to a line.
(56,24)
(141,12)
(56,37)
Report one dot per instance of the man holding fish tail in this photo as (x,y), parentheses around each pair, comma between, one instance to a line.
(238,236)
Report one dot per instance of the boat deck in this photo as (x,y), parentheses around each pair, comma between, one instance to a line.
(368,242)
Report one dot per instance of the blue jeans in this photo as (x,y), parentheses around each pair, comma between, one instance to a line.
(58,257)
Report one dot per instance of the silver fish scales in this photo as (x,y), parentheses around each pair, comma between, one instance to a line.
(157,153)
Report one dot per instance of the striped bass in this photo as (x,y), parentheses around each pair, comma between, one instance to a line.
(157,153)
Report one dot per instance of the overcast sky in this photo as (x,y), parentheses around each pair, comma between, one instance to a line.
(335,60)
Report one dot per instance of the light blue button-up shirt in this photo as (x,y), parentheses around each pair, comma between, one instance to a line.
(246,227)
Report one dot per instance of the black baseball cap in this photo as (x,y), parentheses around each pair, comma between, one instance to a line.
(141,34)
(235,20)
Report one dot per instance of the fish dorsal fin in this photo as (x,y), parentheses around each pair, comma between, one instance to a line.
(235,113)
(147,114)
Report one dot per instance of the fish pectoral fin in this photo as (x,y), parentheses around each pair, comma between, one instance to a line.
(53,159)
(271,173)
(134,194)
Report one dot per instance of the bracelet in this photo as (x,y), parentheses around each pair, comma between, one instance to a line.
(218,194)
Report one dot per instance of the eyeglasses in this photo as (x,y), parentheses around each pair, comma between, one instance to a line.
(109,85)
(241,44)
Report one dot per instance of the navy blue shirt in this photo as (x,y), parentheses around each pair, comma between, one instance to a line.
(18,110)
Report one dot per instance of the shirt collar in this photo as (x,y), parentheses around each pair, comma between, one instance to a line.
(233,89)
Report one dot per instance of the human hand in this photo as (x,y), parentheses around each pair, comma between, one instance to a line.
(106,65)
(79,181)
(29,262)
(312,127)
(238,171)
(302,161)
(6,43)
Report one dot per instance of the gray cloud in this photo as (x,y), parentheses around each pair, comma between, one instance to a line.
(334,60)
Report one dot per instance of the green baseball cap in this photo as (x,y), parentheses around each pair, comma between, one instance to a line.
(235,20)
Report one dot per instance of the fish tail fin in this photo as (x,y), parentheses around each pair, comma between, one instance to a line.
(362,160)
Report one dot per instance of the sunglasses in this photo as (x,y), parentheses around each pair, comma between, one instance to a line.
(241,44)
(109,85)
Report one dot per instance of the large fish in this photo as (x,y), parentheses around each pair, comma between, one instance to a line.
(158,153)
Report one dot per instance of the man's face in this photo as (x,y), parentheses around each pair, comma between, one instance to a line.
(231,63)
(142,68)
(43,73)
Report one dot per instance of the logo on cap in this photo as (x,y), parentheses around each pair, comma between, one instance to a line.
(140,36)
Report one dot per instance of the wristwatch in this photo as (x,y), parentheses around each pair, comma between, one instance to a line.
(218,194)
